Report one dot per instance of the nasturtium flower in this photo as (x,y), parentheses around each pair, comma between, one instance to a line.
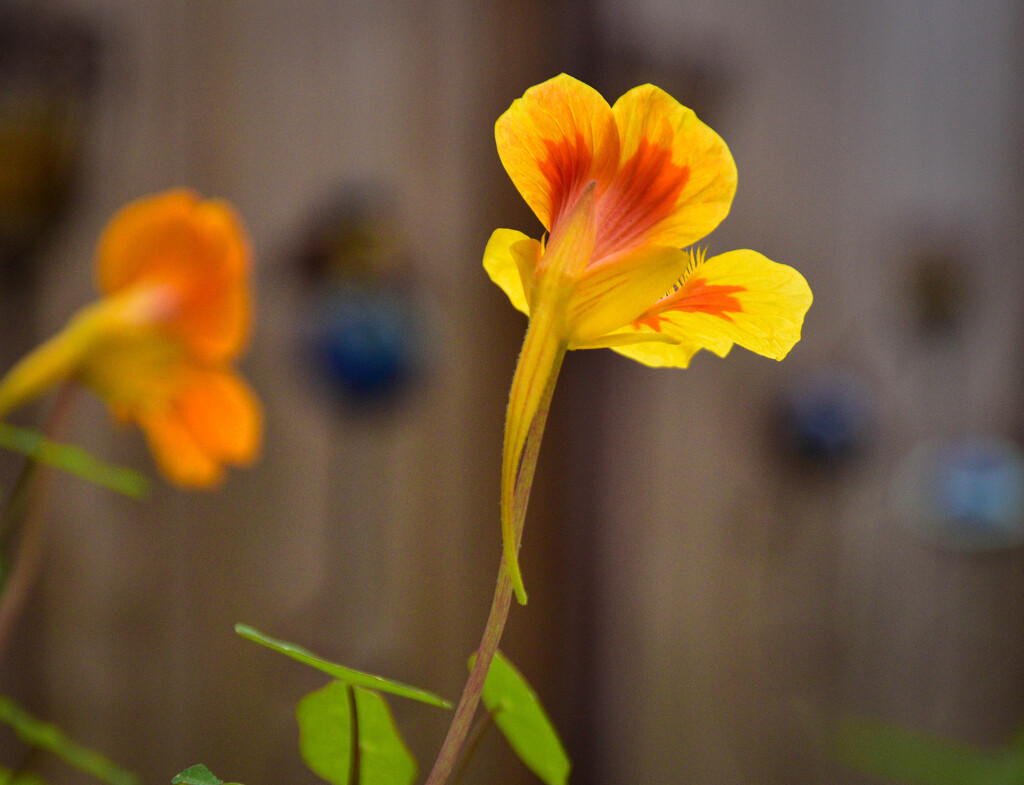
(622,191)
(158,346)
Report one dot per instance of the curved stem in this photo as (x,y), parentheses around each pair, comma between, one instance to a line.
(32,538)
(470,699)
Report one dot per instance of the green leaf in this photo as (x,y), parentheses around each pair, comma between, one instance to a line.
(197,775)
(347,675)
(519,715)
(347,737)
(73,460)
(908,756)
(48,737)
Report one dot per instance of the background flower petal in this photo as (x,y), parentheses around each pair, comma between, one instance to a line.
(222,413)
(181,458)
(197,248)
(553,141)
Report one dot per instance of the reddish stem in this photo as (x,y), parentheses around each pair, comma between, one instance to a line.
(464,712)
(32,539)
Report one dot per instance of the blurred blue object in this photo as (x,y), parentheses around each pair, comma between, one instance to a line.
(827,414)
(367,335)
(365,342)
(967,493)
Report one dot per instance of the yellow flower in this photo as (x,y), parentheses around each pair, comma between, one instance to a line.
(621,191)
(158,347)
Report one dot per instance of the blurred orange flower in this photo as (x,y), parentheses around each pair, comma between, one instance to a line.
(622,190)
(176,311)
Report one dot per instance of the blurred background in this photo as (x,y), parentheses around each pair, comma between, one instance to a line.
(719,559)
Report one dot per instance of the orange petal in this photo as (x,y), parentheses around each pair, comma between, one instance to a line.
(676,178)
(510,259)
(739,297)
(199,250)
(555,140)
(181,458)
(222,413)
(216,321)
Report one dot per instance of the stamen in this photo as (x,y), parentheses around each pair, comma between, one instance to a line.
(697,257)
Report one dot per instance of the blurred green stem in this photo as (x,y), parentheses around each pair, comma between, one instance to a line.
(32,535)
(466,709)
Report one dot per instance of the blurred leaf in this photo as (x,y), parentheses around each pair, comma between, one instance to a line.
(347,736)
(348,675)
(197,775)
(73,460)
(17,503)
(13,777)
(48,737)
(519,715)
(908,756)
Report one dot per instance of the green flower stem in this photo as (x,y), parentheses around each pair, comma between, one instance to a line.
(464,712)
(32,538)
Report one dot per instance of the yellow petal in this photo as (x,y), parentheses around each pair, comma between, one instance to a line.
(739,297)
(134,369)
(660,354)
(676,177)
(616,291)
(510,259)
(555,140)
(622,338)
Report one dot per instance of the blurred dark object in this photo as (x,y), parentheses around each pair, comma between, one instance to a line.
(826,415)
(966,493)
(366,337)
(352,237)
(939,285)
(48,69)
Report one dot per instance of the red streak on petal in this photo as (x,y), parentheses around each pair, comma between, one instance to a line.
(695,296)
(645,192)
(567,169)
